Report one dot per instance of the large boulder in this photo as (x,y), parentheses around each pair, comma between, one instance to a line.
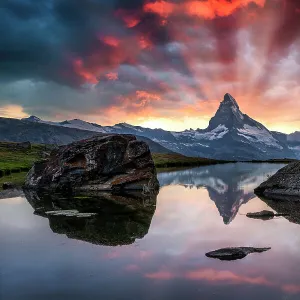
(284,185)
(104,163)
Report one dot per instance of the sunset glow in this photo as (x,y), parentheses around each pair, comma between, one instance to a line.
(159,63)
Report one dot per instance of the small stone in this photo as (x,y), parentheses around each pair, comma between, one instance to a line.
(234,253)
(264,215)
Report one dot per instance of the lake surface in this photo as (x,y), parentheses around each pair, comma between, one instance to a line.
(198,210)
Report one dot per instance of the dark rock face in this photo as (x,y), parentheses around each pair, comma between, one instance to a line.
(98,218)
(283,185)
(104,163)
(234,253)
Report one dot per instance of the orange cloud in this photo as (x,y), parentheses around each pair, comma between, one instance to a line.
(12,111)
(162,8)
(208,9)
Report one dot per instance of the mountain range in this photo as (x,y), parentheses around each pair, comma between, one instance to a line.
(230,135)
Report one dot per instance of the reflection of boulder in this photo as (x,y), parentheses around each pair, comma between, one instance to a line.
(108,162)
(6,194)
(99,218)
(229,185)
(289,209)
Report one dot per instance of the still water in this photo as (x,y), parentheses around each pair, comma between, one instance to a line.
(198,210)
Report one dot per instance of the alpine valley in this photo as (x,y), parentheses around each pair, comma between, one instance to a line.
(230,135)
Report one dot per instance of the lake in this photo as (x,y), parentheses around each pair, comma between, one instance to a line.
(198,210)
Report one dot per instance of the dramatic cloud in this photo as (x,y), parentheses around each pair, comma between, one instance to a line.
(154,62)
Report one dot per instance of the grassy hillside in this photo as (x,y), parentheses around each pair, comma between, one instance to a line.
(15,160)
(162,160)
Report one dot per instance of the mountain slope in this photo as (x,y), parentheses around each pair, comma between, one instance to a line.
(13,130)
(230,135)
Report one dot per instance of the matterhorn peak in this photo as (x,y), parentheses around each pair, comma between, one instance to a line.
(229,100)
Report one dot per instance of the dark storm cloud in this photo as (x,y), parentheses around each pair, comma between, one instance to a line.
(41,40)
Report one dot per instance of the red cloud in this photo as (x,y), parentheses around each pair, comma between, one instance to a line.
(112,76)
(160,275)
(214,275)
(111,41)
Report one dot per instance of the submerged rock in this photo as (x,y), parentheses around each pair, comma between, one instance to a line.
(105,163)
(234,253)
(284,185)
(264,215)
(99,218)
(8,186)
(12,193)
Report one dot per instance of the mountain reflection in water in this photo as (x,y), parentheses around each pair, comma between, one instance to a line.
(228,186)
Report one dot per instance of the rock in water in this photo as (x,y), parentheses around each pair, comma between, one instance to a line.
(284,185)
(234,253)
(104,163)
(264,215)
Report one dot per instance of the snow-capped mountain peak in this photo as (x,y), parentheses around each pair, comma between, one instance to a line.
(32,119)
(229,100)
(228,114)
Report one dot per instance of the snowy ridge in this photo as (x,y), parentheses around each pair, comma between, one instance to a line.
(79,124)
(257,135)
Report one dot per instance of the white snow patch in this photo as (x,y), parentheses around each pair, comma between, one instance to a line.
(79,124)
(215,134)
(258,135)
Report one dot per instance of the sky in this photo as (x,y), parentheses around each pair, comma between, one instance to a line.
(153,63)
